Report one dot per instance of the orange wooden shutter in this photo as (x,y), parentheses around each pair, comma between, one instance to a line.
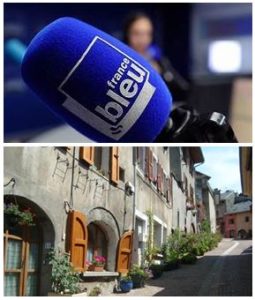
(115,164)
(77,239)
(87,154)
(124,254)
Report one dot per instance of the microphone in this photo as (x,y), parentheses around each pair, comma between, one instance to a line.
(97,84)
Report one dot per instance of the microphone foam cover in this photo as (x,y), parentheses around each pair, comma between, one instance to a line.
(97,84)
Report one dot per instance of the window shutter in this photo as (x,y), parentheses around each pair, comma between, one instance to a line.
(124,254)
(87,154)
(170,190)
(159,178)
(149,163)
(114,164)
(77,239)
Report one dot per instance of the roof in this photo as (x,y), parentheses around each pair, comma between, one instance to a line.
(240,207)
(196,154)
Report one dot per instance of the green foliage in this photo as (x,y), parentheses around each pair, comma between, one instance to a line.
(24,217)
(96,291)
(126,278)
(136,270)
(138,276)
(185,247)
(64,278)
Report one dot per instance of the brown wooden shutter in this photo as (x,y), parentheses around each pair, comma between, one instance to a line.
(77,236)
(170,190)
(162,180)
(149,163)
(124,254)
(159,178)
(87,154)
(114,161)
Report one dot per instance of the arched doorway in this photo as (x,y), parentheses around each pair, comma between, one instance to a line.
(242,234)
(24,248)
(22,255)
(97,242)
(109,228)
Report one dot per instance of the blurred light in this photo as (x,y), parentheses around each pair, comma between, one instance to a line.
(15,49)
(225,56)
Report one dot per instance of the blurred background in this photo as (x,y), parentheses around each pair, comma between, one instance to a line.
(204,52)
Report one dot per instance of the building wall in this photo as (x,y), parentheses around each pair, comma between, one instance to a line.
(212,212)
(43,178)
(149,199)
(241,223)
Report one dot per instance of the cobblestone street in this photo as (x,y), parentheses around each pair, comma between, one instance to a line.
(224,271)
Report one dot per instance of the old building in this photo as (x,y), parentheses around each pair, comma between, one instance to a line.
(90,201)
(88,185)
(182,165)
(238,221)
(245,154)
(206,203)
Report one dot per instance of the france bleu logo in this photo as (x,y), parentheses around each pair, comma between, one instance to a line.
(115,92)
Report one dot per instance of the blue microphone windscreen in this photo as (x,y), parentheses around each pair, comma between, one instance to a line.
(97,84)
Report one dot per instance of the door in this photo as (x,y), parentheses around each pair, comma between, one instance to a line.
(21,261)
(77,234)
(124,254)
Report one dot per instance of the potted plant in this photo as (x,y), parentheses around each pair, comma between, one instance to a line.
(126,284)
(96,291)
(157,270)
(98,263)
(138,276)
(64,279)
(171,261)
(15,216)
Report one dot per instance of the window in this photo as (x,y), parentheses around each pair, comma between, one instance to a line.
(231,221)
(191,194)
(175,162)
(122,174)
(186,186)
(140,159)
(247,219)
(98,158)
(97,244)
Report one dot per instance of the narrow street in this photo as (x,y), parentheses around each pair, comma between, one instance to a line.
(224,271)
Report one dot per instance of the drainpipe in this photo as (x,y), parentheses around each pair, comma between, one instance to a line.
(134,196)
(72,179)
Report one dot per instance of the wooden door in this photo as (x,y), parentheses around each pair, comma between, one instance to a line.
(124,254)
(21,262)
(77,240)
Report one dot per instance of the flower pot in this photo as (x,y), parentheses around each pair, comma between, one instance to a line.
(138,281)
(95,268)
(126,286)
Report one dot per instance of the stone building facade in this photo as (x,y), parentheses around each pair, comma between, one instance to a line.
(91,201)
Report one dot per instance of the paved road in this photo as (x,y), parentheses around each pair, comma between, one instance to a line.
(224,271)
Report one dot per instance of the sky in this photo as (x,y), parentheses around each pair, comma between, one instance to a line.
(222,165)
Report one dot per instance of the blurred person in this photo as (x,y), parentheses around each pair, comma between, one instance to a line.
(138,33)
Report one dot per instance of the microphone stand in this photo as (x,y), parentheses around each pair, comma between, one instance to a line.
(185,125)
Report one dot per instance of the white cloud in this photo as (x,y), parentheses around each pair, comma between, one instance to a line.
(222,165)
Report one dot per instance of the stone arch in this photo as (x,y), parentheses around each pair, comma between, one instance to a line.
(242,234)
(47,234)
(107,222)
